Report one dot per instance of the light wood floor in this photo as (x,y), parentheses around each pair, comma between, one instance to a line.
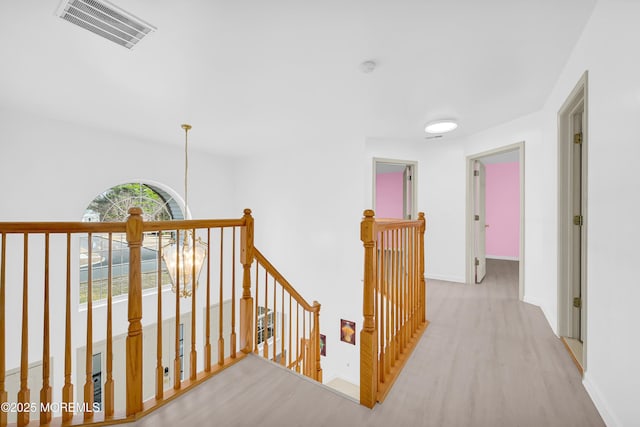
(486,360)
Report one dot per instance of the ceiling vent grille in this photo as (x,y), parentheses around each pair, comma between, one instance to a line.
(106,20)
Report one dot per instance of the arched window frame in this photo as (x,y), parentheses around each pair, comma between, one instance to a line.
(173,210)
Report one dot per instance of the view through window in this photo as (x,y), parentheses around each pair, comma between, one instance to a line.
(113,206)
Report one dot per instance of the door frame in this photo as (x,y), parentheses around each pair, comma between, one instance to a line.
(577,98)
(469,252)
(414,180)
(479,197)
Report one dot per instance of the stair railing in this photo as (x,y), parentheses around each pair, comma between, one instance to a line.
(288,327)
(40,294)
(394,301)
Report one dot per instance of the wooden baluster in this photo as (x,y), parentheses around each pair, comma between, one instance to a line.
(290,331)
(255,311)
(207,345)
(88,383)
(134,336)
(413,281)
(246,303)
(45,392)
(383,307)
(398,294)
(418,281)
(275,317)
(109,385)
(305,345)
(177,380)
(376,283)
(392,293)
(221,306)
(24,394)
(423,284)
(234,339)
(282,338)
(369,334)
(405,288)
(3,287)
(159,367)
(297,337)
(193,365)
(388,301)
(316,325)
(67,389)
(265,317)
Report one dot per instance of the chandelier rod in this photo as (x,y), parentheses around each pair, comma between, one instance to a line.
(186,128)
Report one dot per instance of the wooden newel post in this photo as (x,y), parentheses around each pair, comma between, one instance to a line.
(134,337)
(423,285)
(316,324)
(246,302)
(368,335)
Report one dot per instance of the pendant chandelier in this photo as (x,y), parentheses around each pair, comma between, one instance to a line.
(185,255)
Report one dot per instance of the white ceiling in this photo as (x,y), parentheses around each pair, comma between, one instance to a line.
(254,75)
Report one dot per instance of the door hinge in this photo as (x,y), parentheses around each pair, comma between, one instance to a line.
(577,302)
(476,173)
(577,138)
(578,220)
(477,262)
(476,217)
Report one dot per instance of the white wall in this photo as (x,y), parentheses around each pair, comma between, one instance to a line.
(440,184)
(307,206)
(607,49)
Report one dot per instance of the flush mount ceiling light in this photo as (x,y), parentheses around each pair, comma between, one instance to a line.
(106,20)
(441,126)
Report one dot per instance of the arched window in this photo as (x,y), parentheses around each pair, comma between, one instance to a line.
(113,205)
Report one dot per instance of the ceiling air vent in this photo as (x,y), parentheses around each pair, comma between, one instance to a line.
(106,20)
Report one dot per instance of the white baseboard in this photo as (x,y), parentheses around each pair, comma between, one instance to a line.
(600,402)
(445,278)
(506,258)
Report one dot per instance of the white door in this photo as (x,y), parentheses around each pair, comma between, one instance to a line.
(479,185)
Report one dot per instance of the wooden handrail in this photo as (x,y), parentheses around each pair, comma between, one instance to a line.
(284,282)
(190,224)
(61,234)
(394,300)
(306,323)
(54,227)
(62,227)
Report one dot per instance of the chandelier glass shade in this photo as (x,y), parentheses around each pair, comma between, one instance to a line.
(184,258)
(185,255)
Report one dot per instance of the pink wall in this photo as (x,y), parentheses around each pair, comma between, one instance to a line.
(389,195)
(503,210)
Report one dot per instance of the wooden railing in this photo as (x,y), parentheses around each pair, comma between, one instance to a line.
(38,277)
(394,301)
(288,329)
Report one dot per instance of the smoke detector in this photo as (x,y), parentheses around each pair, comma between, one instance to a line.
(368,66)
(106,20)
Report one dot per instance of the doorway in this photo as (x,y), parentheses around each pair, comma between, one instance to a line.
(505,212)
(394,188)
(572,230)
